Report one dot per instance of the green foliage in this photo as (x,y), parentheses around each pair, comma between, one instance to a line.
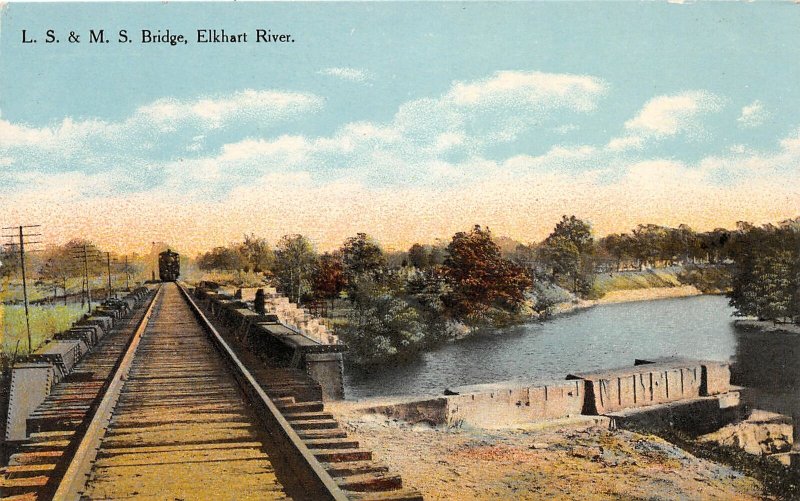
(252,254)
(418,256)
(709,279)
(425,256)
(362,255)
(295,261)
(573,230)
(9,261)
(380,325)
(766,278)
(568,252)
(221,258)
(256,253)
(653,245)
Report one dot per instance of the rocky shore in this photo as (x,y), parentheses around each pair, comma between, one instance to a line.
(568,459)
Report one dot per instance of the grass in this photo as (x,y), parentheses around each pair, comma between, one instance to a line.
(632,280)
(45,321)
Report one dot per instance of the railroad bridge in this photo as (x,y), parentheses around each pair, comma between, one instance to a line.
(158,396)
(174,393)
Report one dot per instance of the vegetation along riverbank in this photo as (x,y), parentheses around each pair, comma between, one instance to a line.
(393,304)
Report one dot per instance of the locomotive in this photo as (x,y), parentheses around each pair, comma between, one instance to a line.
(169,266)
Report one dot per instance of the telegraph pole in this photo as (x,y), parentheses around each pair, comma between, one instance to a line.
(108,270)
(22,237)
(82,253)
(127,275)
(86,277)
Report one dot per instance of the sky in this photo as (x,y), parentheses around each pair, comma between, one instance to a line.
(408,121)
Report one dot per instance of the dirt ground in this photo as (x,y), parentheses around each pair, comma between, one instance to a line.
(558,461)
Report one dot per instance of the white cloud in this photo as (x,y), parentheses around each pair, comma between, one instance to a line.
(669,115)
(792,143)
(350,74)
(625,143)
(530,89)
(263,106)
(425,172)
(666,116)
(154,134)
(497,109)
(753,115)
(65,134)
(287,148)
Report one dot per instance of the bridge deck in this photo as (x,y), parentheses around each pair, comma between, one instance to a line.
(181,428)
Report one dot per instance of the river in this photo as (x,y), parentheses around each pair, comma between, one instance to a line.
(605,336)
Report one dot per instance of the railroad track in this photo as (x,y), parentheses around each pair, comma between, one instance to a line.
(184,418)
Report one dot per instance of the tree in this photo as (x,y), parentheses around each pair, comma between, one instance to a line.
(479,277)
(94,265)
(57,267)
(766,278)
(221,258)
(329,278)
(362,255)
(9,260)
(715,244)
(564,259)
(381,326)
(418,256)
(295,260)
(257,253)
(619,247)
(436,256)
(576,231)
(567,251)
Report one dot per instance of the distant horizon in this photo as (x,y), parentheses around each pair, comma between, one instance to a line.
(406,121)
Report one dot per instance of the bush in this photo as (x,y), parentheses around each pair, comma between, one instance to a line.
(381,326)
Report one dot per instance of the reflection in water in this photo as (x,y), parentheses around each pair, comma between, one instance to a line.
(768,364)
(602,337)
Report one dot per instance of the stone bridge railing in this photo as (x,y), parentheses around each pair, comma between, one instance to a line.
(285,333)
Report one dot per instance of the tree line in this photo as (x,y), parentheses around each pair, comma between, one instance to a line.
(766,275)
(59,271)
(402,302)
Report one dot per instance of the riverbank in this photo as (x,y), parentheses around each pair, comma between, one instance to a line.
(767,326)
(629,296)
(568,459)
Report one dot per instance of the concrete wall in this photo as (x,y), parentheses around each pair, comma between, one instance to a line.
(496,405)
(492,405)
(696,416)
(686,392)
(651,383)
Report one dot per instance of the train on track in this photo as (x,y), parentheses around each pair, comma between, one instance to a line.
(169,266)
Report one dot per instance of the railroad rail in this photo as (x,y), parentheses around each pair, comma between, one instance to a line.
(184,416)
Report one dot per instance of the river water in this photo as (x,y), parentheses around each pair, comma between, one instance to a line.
(605,336)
